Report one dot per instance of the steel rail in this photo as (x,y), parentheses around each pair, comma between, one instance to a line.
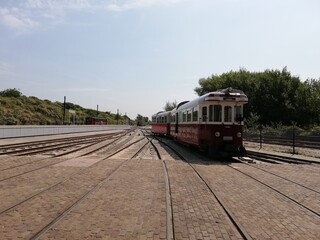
(169,206)
(279,192)
(229,213)
(86,195)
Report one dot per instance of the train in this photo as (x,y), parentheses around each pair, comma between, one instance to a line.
(96,121)
(212,122)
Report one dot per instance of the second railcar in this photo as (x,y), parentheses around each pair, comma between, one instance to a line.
(161,123)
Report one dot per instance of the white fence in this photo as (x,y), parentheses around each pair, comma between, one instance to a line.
(24,131)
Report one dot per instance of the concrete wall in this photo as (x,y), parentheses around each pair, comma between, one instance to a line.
(24,131)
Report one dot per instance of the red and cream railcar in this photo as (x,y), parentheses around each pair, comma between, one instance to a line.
(213,122)
(161,123)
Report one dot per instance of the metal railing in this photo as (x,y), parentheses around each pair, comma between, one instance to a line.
(289,139)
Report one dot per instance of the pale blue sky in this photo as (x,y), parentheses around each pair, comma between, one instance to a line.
(134,55)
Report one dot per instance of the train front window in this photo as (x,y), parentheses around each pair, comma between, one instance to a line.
(210,113)
(227,114)
(217,113)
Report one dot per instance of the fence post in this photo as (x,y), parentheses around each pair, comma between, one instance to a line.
(260,135)
(293,138)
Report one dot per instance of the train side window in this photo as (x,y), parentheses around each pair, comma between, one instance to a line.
(184,117)
(189,116)
(195,116)
(210,113)
(204,114)
(173,118)
(227,114)
(165,119)
(217,113)
(238,114)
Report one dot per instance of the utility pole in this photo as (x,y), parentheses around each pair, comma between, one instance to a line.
(64,110)
(97,110)
(117,116)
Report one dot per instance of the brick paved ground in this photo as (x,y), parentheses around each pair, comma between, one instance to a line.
(12,161)
(303,195)
(197,214)
(132,204)
(264,213)
(26,219)
(308,175)
(129,206)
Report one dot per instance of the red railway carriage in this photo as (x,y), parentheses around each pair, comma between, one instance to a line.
(213,122)
(96,121)
(161,123)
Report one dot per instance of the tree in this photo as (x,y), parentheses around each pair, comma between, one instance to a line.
(274,95)
(140,120)
(11,92)
(311,100)
(170,105)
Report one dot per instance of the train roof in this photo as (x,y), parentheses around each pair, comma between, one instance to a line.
(228,94)
(162,113)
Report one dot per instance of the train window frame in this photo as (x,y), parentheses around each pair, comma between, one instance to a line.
(180,117)
(228,115)
(217,118)
(184,116)
(189,115)
(195,115)
(204,114)
(173,118)
(211,113)
(238,115)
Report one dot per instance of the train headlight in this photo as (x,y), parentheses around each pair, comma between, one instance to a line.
(217,134)
(239,134)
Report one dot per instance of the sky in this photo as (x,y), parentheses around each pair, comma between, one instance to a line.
(135,55)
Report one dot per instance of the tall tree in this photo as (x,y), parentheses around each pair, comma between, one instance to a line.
(170,106)
(274,95)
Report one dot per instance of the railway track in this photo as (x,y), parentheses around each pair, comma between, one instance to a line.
(94,188)
(309,203)
(142,186)
(117,148)
(42,163)
(228,212)
(169,207)
(37,168)
(47,146)
(277,159)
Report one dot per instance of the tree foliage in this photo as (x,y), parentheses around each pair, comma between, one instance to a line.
(170,106)
(141,120)
(274,95)
(11,92)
